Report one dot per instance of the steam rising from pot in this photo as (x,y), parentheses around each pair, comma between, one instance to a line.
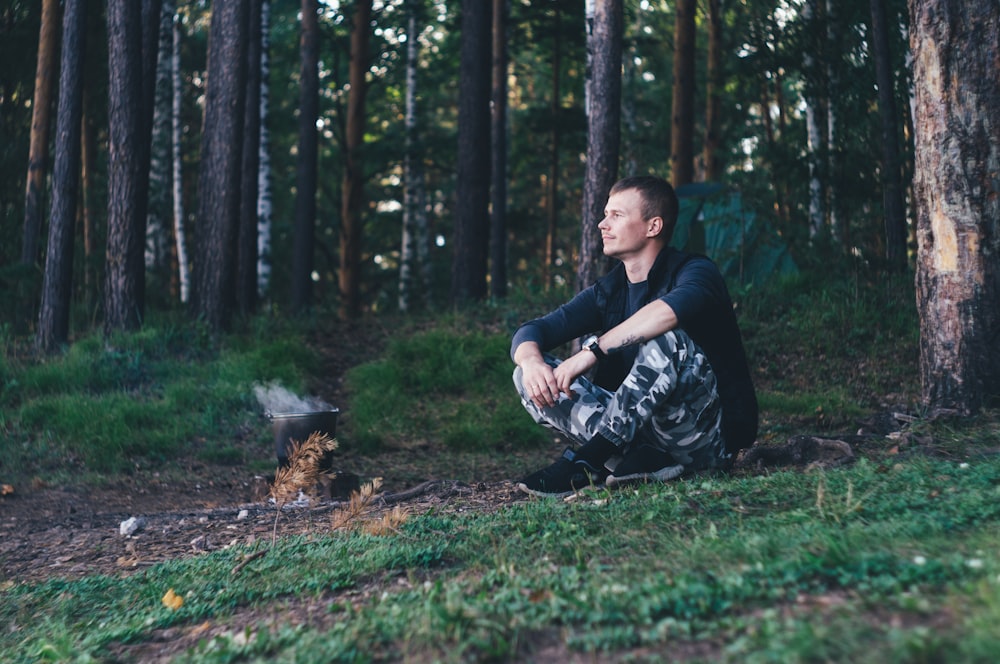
(276,399)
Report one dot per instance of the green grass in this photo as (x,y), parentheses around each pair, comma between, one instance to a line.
(140,399)
(891,559)
(863,564)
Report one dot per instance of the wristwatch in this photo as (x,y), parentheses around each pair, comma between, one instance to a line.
(590,343)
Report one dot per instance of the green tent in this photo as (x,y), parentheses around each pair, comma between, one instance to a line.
(714,221)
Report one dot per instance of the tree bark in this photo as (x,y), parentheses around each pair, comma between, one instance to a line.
(264,160)
(130,120)
(956,45)
(682,116)
(158,228)
(246,260)
(304,236)
(354,177)
(53,316)
(177,194)
(414,270)
(498,168)
(41,112)
(552,193)
(471,245)
(219,175)
(894,210)
(603,134)
(711,151)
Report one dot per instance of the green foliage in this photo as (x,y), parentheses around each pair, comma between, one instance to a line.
(447,384)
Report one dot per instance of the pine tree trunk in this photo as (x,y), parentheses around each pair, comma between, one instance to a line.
(53,316)
(41,111)
(713,94)
(471,244)
(212,297)
(246,262)
(498,168)
(304,235)
(956,47)
(130,121)
(894,210)
(354,177)
(682,116)
(552,193)
(603,134)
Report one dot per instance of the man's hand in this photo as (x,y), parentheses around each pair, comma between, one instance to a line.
(539,381)
(572,368)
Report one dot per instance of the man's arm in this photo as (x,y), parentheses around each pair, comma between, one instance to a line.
(651,321)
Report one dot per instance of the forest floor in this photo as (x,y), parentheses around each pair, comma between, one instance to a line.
(49,531)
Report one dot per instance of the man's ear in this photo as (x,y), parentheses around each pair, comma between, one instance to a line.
(654,226)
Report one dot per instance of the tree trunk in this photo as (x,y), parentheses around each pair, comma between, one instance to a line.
(815,146)
(414,282)
(264,161)
(131,63)
(177,131)
(892,186)
(158,230)
(956,46)
(603,134)
(53,316)
(41,111)
(354,177)
(712,148)
(552,193)
(471,245)
(219,176)
(682,117)
(304,236)
(246,261)
(498,168)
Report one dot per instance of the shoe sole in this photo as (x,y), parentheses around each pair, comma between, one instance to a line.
(543,494)
(661,475)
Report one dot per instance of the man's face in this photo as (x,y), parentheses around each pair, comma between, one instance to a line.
(623,229)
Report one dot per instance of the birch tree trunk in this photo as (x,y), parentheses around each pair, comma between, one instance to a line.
(264,161)
(53,316)
(177,129)
(414,272)
(41,112)
(956,47)
(814,135)
(158,231)
(603,134)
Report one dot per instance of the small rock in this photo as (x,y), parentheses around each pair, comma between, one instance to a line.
(242,515)
(131,525)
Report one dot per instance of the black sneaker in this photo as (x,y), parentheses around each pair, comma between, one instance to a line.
(567,475)
(645,464)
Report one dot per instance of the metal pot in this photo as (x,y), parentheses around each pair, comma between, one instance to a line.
(298,427)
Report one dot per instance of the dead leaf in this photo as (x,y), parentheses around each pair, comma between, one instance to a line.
(6,490)
(172,600)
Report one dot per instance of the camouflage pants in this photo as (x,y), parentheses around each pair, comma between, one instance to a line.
(669,400)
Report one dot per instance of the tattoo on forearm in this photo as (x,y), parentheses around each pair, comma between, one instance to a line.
(629,341)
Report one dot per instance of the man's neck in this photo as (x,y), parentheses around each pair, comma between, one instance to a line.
(637,267)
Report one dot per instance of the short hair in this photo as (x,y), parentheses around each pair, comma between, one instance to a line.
(658,199)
